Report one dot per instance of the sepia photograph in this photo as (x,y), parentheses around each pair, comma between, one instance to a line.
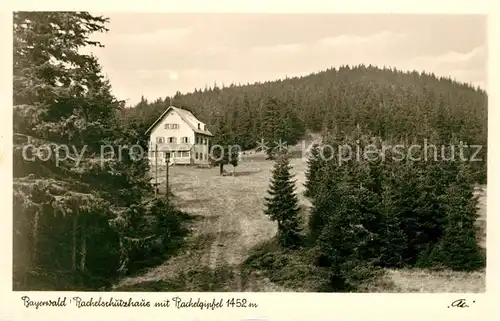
(249,152)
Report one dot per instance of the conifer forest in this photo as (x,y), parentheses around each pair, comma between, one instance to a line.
(315,222)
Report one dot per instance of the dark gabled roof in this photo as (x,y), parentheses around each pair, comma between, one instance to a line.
(187,117)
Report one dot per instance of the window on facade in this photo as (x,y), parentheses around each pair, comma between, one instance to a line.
(160,140)
(185,139)
(171,126)
(196,155)
(185,154)
(172,139)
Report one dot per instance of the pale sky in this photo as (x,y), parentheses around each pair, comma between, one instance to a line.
(156,54)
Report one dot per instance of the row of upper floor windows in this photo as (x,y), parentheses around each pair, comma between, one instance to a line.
(171,126)
(184,140)
(176,126)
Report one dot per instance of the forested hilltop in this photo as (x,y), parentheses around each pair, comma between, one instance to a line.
(388,103)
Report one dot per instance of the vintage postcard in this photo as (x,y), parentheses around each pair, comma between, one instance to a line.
(226,163)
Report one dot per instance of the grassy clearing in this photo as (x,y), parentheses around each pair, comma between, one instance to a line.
(231,245)
(426,281)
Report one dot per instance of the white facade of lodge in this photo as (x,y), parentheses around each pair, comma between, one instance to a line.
(180,137)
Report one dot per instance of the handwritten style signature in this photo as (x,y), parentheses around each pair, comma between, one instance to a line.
(460,303)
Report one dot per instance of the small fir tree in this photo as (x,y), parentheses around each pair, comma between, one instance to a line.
(271,126)
(327,178)
(270,150)
(282,203)
(345,239)
(224,150)
(313,166)
(325,198)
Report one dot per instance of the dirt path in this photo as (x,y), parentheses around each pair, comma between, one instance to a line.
(230,221)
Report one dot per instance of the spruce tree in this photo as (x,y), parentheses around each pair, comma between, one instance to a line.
(328,175)
(271,126)
(62,101)
(294,124)
(324,200)
(347,217)
(458,247)
(224,149)
(346,241)
(414,200)
(313,171)
(282,203)
(246,125)
(391,240)
(69,208)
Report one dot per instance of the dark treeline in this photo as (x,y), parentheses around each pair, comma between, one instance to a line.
(390,104)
